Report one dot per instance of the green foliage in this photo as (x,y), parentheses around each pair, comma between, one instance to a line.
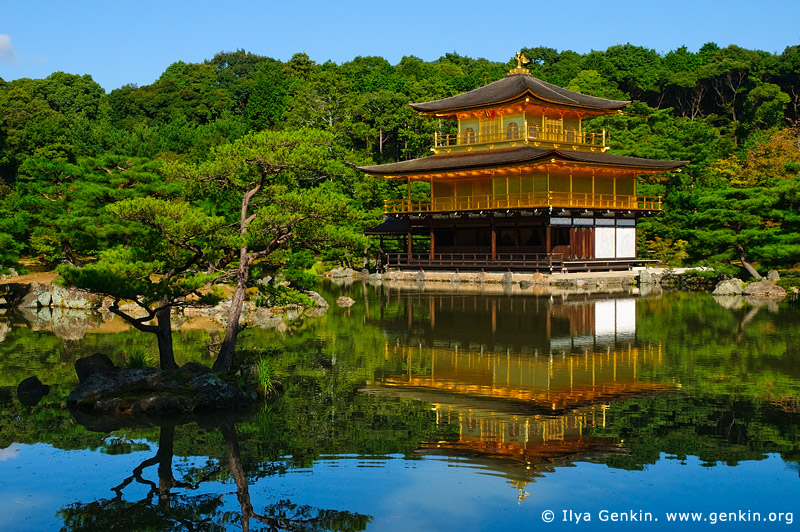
(280,295)
(704,273)
(290,184)
(68,150)
(790,280)
(246,357)
(9,251)
(161,263)
(165,265)
(137,357)
(633,68)
(591,82)
(767,105)
(64,209)
(667,252)
(714,429)
(752,213)
(265,373)
(297,270)
(267,105)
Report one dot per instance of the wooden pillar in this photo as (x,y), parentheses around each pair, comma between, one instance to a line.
(573,242)
(614,190)
(548,239)
(432,244)
(408,244)
(586,244)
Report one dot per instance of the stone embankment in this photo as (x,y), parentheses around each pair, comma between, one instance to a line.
(587,280)
(645,278)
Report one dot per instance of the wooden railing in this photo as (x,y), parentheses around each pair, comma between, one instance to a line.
(552,262)
(524,201)
(533,133)
(537,261)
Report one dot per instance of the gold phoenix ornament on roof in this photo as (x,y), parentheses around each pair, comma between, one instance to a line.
(521,60)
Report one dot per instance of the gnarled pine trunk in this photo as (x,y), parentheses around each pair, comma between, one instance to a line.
(166,356)
(225,357)
(747,266)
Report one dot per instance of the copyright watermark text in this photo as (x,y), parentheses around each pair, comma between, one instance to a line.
(642,516)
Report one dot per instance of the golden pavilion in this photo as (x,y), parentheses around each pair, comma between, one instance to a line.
(521,185)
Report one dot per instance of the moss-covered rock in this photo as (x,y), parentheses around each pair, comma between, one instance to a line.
(192,388)
(764,289)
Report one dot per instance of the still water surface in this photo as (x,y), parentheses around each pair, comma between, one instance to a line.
(420,408)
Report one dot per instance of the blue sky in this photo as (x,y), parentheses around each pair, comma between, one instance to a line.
(134,42)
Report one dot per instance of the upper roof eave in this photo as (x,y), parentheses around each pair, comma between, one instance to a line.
(515,87)
(514,157)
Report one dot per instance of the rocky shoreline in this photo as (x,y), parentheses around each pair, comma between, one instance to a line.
(45,294)
(640,280)
(680,278)
(71,313)
(21,293)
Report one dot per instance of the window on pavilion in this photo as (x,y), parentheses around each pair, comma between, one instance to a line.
(512,131)
(469,136)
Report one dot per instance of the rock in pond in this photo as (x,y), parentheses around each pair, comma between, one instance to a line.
(728,287)
(345,301)
(764,289)
(97,363)
(31,390)
(317,298)
(192,388)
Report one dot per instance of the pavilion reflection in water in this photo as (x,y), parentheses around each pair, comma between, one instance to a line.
(526,385)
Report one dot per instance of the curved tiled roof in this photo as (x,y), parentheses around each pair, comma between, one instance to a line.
(514,87)
(514,156)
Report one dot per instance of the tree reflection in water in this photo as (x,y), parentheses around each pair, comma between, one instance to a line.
(169,504)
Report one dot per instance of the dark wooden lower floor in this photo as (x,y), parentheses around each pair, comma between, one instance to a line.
(544,241)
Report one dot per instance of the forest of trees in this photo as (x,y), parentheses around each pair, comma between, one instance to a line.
(75,159)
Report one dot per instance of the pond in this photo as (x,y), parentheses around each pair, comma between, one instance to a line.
(431,408)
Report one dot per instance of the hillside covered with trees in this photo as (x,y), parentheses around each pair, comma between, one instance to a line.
(74,159)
